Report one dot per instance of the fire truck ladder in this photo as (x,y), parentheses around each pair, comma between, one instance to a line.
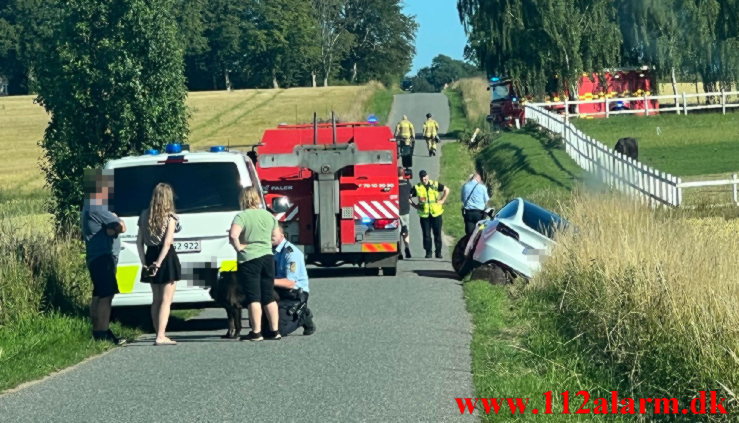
(327,161)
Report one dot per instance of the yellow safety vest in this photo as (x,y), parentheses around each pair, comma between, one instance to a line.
(430,128)
(428,200)
(404,128)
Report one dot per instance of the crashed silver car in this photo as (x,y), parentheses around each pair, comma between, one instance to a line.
(513,242)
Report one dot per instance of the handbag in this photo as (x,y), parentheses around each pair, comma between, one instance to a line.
(464,210)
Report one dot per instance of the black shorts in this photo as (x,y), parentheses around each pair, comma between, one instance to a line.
(257,277)
(102,272)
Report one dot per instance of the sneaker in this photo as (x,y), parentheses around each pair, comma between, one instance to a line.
(272,336)
(428,254)
(251,336)
(407,252)
(438,254)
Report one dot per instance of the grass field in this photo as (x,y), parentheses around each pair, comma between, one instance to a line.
(218,118)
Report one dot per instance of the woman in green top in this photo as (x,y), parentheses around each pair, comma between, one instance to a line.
(251,237)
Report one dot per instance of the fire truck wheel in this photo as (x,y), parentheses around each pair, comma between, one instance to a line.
(372,271)
(389,271)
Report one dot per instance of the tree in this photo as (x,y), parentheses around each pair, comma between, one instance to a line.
(383,45)
(443,71)
(333,37)
(111,80)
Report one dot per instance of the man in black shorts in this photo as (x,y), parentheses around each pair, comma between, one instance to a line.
(100,229)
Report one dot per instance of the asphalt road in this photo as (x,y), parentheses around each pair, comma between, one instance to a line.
(415,106)
(386,349)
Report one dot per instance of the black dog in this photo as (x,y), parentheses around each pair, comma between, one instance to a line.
(228,293)
(629,147)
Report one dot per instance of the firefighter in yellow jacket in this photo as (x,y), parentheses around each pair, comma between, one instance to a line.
(431,197)
(405,136)
(431,134)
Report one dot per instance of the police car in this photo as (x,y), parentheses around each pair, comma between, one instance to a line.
(207,186)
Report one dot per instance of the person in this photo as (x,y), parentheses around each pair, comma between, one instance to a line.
(100,230)
(291,286)
(431,197)
(161,266)
(474,198)
(431,134)
(251,236)
(404,209)
(405,135)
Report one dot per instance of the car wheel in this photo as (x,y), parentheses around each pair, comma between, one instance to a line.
(493,273)
(462,264)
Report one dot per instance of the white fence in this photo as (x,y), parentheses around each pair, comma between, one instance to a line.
(611,167)
(681,105)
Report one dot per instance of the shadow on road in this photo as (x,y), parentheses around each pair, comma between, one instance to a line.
(339,272)
(440,274)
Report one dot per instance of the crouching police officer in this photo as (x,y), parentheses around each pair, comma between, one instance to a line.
(291,286)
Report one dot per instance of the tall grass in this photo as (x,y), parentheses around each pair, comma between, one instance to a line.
(476,97)
(652,295)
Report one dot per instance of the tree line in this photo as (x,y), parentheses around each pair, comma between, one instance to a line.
(242,44)
(443,71)
(546,45)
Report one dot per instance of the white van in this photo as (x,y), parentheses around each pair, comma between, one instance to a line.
(206,186)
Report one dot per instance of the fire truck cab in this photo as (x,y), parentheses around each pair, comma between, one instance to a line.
(334,189)
(505,107)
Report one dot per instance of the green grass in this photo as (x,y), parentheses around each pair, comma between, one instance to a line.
(518,351)
(456,166)
(381,102)
(458,119)
(529,164)
(687,146)
(33,348)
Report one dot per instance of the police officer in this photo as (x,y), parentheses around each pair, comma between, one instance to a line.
(431,134)
(405,135)
(431,197)
(291,286)
(474,198)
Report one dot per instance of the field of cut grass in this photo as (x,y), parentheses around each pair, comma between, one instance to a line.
(218,118)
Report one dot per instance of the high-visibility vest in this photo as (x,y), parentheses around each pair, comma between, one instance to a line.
(428,200)
(404,129)
(430,128)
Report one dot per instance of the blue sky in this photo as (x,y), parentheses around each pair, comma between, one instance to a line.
(439,31)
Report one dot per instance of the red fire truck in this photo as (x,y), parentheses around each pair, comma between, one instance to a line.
(334,189)
(612,84)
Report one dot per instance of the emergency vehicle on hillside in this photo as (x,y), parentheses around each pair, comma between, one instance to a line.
(207,186)
(334,189)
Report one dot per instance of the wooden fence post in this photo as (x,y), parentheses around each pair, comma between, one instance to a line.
(567,110)
(646,106)
(677,104)
(685,104)
(608,112)
(734,190)
(723,101)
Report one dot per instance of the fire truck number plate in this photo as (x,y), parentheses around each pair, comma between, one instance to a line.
(187,246)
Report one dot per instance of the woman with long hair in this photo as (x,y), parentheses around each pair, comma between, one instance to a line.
(251,237)
(157,226)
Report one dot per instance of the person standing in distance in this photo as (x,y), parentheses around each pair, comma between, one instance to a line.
(431,197)
(405,136)
(100,230)
(251,236)
(431,134)
(474,198)
(291,285)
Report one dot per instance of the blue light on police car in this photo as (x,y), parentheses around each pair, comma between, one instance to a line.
(367,220)
(515,99)
(372,119)
(217,148)
(173,148)
(620,104)
(495,79)
(151,152)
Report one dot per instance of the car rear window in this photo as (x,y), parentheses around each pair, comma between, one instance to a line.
(541,220)
(198,187)
(508,211)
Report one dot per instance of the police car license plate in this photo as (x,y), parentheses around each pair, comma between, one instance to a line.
(187,246)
